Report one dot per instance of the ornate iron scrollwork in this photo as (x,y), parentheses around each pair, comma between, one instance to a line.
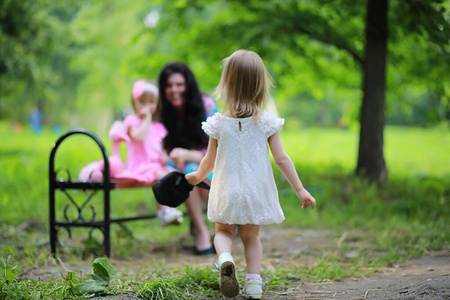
(69,232)
(62,179)
(79,208)
(79,217)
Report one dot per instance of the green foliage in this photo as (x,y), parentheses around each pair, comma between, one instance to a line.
(35,47)
(323,270)
(316,49)
(103,272)
(8,277)
(107,34)
(160,289)
(199,280)
(11,288)
(416,109)
(69,288)
(8,272)
(79,59)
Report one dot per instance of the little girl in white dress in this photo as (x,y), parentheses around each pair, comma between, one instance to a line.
(243,190)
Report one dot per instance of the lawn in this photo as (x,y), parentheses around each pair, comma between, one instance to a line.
(405,217)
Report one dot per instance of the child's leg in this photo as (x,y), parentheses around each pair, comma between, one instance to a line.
(253,248)
(223,241)
(253,255)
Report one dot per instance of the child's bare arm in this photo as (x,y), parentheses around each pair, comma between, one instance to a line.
(206,165)
(140,133)
(285,164)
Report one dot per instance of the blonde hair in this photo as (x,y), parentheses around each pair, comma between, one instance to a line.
(244,84)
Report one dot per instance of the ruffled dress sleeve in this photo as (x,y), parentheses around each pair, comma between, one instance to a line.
(270,123)
(160,130)
(212,125)
(118,133)
(131,121)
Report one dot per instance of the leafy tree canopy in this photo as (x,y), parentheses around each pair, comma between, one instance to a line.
(315,47)
(34,42)
(76,56)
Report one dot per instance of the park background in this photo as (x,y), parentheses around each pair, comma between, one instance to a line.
(76,62)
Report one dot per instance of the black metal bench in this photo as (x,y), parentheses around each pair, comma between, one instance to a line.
(66,182)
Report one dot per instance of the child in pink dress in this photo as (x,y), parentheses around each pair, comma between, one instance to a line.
(146,158)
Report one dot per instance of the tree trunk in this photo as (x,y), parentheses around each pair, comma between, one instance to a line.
(371,163)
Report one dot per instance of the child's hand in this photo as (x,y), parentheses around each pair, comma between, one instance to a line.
(190,177)
(306,198)
(145,113)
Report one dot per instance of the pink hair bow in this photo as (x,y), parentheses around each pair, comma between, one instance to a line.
(141,86)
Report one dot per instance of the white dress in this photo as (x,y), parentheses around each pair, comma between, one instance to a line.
(243,189)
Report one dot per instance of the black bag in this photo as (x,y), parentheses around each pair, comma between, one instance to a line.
(173,189)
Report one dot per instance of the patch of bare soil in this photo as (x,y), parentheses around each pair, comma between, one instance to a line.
(423,278)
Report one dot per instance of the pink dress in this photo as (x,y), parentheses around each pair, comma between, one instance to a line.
(144,158)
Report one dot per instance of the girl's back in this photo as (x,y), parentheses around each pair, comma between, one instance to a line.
(243,190)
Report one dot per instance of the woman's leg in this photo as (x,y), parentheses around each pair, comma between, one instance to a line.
(195,210)
(252,247)
(204,193)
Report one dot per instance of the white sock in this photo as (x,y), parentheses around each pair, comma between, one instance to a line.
(225,254)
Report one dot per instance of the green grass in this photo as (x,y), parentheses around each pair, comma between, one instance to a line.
(409,152)
(383,223)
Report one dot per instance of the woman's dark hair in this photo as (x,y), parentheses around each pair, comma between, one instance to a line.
(185,132)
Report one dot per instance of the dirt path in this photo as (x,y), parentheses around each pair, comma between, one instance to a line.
(424,278)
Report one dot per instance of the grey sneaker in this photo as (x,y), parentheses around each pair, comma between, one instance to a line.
(170,216)
(229,286)
(252,289)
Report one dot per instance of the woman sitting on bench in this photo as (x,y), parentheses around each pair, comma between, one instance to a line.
(184,108)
